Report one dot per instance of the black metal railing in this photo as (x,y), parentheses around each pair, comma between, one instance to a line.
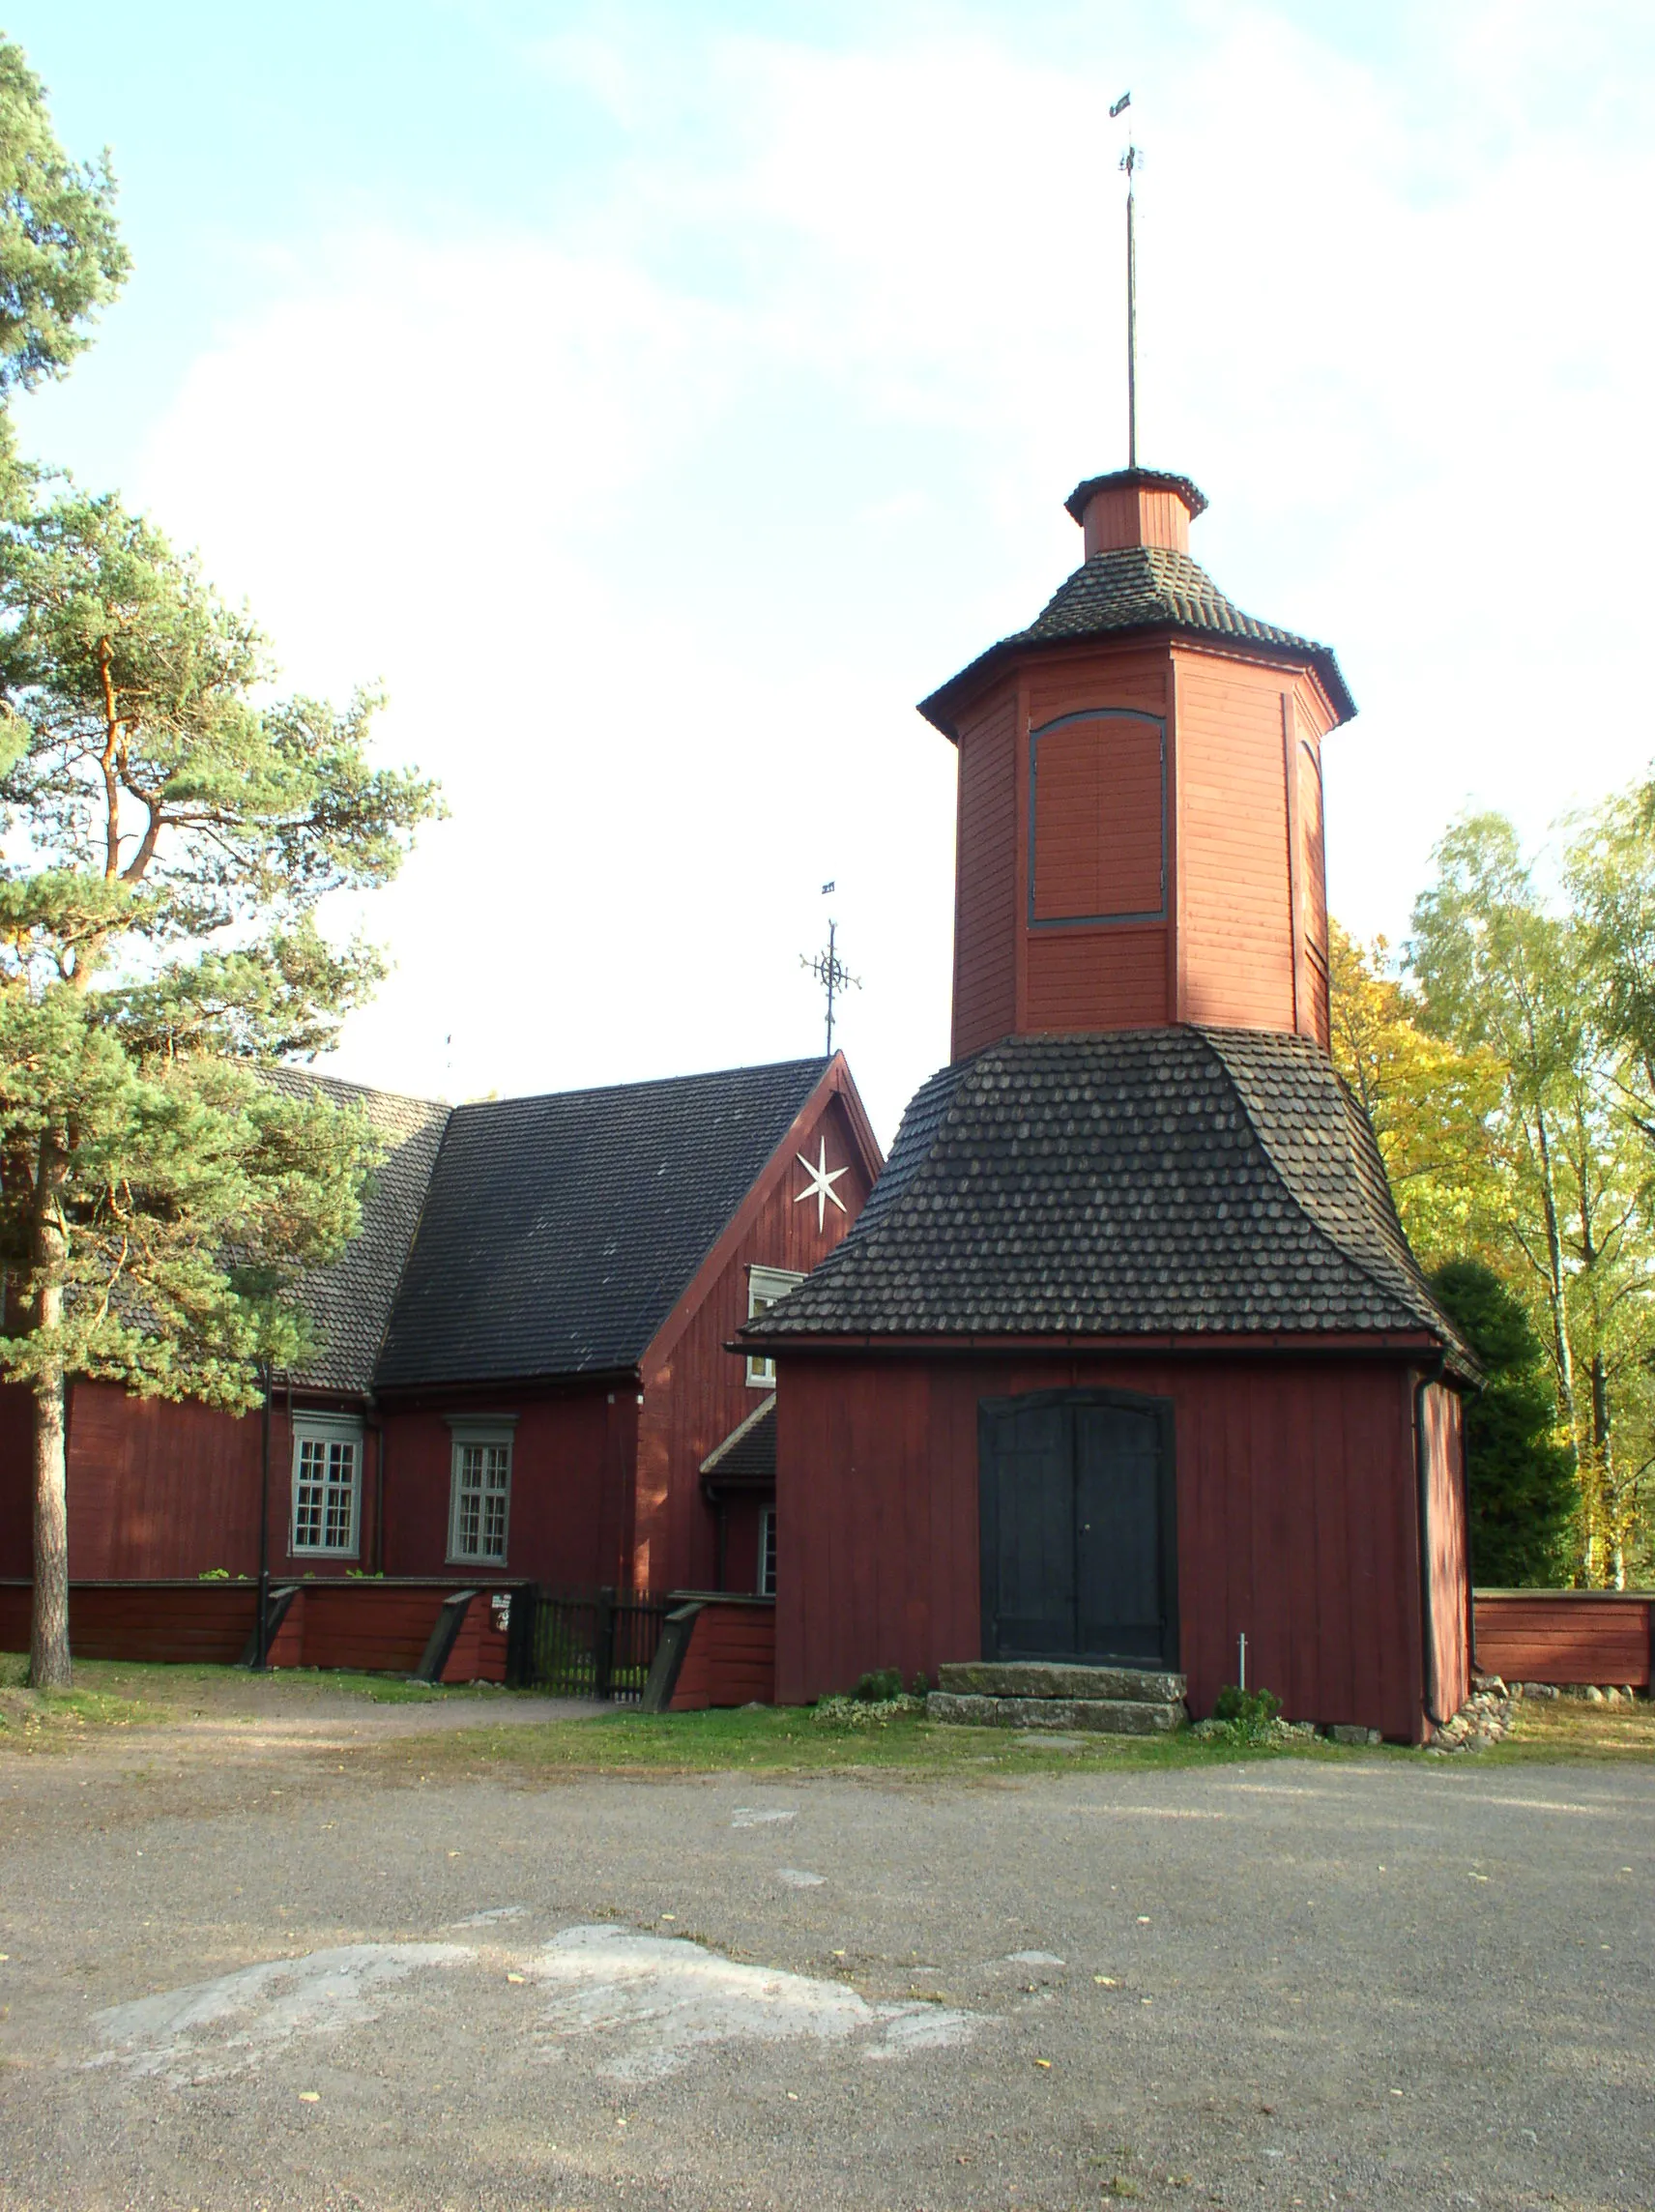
(585,1644)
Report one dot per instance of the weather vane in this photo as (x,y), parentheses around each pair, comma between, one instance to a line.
(1132,160)
(830,971)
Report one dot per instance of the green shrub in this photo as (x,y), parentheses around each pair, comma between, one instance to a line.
(1251,1709)
(880,1687)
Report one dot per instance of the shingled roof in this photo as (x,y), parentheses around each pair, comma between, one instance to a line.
(350,1302)
(1137,588)
(747,1459)
(1147,1182)
(559,1231)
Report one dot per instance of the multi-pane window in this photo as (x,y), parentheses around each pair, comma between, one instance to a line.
(764,1285)
(766,1552)
(482,1495)
(326,1488)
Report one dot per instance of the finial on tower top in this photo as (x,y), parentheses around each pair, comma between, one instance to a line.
(1132,160)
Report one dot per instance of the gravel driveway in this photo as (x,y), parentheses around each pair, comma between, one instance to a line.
(267,1969)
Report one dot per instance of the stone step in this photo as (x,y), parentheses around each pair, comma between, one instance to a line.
(1047,1678)
(1098,1716)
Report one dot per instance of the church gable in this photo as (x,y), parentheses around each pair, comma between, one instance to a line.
(561,1232)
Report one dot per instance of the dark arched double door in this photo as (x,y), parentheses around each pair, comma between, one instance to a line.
(1078,1511)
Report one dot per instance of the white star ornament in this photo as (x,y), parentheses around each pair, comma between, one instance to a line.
(819,1187)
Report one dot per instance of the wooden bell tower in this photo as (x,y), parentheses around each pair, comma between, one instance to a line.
(1140,833)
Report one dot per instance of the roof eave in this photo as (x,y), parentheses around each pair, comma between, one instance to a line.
(1374,1344)
(942,707)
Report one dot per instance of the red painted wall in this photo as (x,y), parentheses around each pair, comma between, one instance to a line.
(1449,1550)
(697,1393)
(573,1453)
(1296,1504)
(606,1476)
(1245,938)
(730,1660)
(201,1623)
(742,1543)
(158,1489)
(1567,1635)
(16,1525)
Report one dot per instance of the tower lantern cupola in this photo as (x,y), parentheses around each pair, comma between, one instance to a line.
(1140,828)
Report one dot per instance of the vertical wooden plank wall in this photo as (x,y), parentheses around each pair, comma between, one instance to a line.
(985,892)
(1111,974)
(1449,1554)
(699,1394)
(571,1462)
(1297,1523)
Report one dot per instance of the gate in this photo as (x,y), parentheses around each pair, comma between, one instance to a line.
(585,1644)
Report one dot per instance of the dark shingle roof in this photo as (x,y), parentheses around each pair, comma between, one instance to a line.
(350,1302)
(1144,479)
(1147,1182)
(747,1459)
(559,1231)
(1139,588)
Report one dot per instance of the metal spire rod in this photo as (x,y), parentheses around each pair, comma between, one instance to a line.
(1131,314)
(1130,162)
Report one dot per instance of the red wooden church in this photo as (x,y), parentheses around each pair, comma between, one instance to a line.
(521,1366)
(1127,1355)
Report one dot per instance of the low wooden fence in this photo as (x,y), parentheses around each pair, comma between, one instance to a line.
(716,1649)
(401,1626)
(587,1643)
(1567,1637)
(177,1622)
(428,1629)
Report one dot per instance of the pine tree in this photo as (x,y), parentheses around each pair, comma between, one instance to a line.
(165,838)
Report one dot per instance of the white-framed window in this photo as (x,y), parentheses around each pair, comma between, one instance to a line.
(481,1501)
(766,1552)
(764,1285)
(327,1485)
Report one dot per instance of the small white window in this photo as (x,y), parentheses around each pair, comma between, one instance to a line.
(327,1485)
(767,1553)
(764,1285)
(481,1494)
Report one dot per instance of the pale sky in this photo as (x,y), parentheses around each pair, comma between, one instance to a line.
(661,399)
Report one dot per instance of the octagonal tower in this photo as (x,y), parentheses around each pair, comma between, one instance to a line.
(1140,833)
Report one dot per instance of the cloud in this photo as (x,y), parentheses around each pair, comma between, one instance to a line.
(656,518)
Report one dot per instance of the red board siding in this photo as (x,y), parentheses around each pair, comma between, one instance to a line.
(16,1461)
(383,1628)
(1099,844)
(730,1660)
(1297,1509)
(1112,978)
(1566,1636)
(203,1624)
(158,1490)
(699,1391)
(985,907)
(1449,1557)
(379,1628)
(374,1627)
(572,1459)
(1232,842)
(479,1655)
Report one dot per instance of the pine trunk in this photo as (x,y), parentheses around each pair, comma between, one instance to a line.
(48,1638)
(48,1635)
